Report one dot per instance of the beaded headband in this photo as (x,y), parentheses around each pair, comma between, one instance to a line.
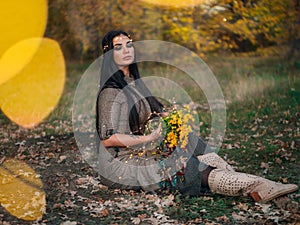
(105,47)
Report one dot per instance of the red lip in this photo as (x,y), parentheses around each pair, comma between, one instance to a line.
(127,58)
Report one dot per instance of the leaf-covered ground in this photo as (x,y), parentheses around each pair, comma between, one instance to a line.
(262,137)
(75,195)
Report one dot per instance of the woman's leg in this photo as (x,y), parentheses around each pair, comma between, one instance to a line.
(214,160)
(197,146)
(205,153)
(236,184)
(221,178)
(224,180)
(204,179)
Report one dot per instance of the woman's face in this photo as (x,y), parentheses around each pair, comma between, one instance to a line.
(123,50)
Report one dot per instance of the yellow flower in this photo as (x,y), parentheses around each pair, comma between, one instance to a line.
(172,139)
(187,118)
(177,127)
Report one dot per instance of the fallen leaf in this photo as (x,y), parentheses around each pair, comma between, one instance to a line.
(265,208)
(62,158)
(278,160)
(238,217)
(283,180)
(243,207)
(68,223)
(104,213)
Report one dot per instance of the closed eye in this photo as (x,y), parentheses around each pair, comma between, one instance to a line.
(118,47)
(129,44)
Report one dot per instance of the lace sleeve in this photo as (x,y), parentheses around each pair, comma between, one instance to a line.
(108,107)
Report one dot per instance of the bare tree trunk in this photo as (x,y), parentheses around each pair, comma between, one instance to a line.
(294,38)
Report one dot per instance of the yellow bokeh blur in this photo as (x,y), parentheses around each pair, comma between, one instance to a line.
(16,58)
(20,20)
(33,93)
(21,192)
(176,3)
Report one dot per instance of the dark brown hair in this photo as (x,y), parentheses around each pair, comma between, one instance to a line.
(112,77)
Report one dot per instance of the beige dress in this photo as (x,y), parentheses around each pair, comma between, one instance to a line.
(138,168)
(123,167)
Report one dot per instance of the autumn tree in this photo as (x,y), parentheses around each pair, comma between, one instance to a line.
(218,25)
(249,25)
(58,28)
(293,29)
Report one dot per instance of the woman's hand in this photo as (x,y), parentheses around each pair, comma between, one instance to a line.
(163,114)
(126,140)
(156,133)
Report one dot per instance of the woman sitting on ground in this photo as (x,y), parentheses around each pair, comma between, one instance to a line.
(124,105)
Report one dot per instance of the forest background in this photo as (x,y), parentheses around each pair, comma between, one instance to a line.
(253,48)
(269,27)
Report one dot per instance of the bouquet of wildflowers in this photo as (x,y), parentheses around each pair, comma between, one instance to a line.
(176,125)
(176,128)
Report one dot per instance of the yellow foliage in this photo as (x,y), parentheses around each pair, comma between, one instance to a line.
(21,192)
(175,3)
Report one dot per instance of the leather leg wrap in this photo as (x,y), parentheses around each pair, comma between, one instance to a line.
(213,160)
(235,184)
(231,183)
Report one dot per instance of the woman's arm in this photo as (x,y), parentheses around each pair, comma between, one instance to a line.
(127,140)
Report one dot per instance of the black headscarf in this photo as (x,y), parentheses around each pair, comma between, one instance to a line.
(111,76)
